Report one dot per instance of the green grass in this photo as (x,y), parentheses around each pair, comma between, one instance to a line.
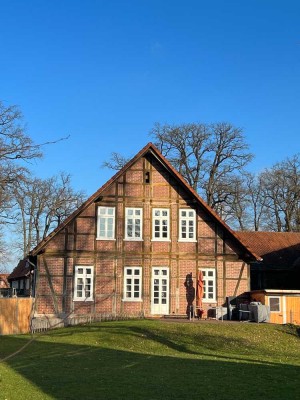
(154,360)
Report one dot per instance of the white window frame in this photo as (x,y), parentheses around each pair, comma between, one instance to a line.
(105,213)
(134,218)
(132,284)
(206,279)
(277,298)
(190,220)
(83,275)
(161,219)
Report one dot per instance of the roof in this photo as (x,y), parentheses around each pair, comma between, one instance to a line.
(150,149)
(3,279)
(277,292)
(278,249)
(22,270)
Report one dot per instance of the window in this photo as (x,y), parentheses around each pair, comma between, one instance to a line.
(161,223)
(83,284)
(133,223)
(106,223)
(274,303)
(187,225)
(147,177)
(209,284)
(15,284)
(132,283)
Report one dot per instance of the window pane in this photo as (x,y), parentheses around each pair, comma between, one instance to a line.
(274,304)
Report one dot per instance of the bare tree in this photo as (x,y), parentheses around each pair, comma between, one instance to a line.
(209,156)
(16,148)
(281,192)
(42,205)
(116,161)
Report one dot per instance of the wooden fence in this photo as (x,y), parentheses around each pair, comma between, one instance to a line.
(15,315)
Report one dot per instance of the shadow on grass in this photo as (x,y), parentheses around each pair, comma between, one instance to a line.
(237,349)
(65,371)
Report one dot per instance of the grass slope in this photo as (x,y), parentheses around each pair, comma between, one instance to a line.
(154,360)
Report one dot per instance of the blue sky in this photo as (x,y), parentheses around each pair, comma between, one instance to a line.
(104,72)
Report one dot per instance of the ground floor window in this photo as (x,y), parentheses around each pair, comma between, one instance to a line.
(83,283)
(209,284)
(274,303)
(132,283)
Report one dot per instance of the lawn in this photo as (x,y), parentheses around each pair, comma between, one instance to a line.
(154,360)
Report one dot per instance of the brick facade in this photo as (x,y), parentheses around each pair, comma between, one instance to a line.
(76,244)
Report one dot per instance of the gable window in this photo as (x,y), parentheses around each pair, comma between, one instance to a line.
(161,223)
(274,303)
(83,283)
(106,223)
(209,284)
(133,223)
(187,225)
(132,284)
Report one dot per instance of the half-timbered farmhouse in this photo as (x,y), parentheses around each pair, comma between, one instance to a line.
(136,248)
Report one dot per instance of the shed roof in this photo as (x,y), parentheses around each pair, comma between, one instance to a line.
(22,270)
(277,249)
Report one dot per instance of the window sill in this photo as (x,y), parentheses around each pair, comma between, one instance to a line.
(106,239)
(187,240)
(132,301)
(133,240)
(84,301)
(160,240)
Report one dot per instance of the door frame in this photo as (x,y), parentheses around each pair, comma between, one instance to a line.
(160,305)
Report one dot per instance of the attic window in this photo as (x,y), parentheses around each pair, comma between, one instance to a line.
(147,177)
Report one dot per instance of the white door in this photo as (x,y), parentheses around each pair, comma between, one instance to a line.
(160,291)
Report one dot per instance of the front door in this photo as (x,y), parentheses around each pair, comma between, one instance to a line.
(160,291)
